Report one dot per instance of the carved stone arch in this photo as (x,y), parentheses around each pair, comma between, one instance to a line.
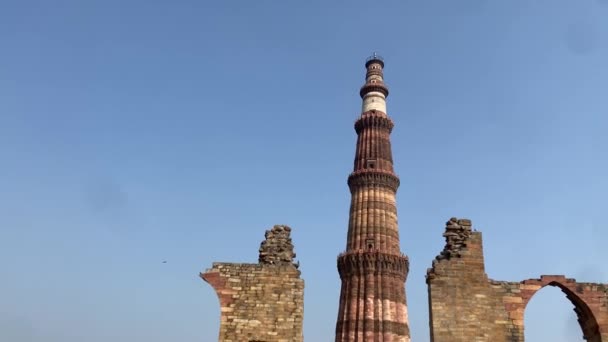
(585,316)
(458,283)
(578,294)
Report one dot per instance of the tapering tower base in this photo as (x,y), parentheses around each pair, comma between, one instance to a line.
(373,304)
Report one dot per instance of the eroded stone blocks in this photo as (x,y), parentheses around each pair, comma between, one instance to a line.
(465,305)
(264,301)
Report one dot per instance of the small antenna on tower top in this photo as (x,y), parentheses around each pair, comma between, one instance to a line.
(375,57)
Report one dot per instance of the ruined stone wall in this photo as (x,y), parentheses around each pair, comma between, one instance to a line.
(465,305)
(261,302)
(462,304)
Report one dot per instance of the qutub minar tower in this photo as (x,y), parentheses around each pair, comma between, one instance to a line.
(372,269)
(264,301)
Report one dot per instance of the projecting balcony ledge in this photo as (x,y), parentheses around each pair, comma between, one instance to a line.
(369,87)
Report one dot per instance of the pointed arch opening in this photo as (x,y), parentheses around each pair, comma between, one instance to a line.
(545,318)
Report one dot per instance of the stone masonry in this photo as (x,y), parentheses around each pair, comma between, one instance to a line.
(465,305)
(373,270)
(264,302)
(261,302)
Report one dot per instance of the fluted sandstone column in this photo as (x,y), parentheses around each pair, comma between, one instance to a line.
(372,269)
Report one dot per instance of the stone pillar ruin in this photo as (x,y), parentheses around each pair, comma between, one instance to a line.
(261,302)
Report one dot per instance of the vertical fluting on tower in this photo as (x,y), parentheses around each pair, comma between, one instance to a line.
(373,270)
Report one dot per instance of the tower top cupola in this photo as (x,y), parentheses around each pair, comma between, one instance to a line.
(374,91)
(374,58)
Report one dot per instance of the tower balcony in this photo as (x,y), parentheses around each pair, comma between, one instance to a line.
(374,118)
(373,86)
(374,261)
(373,177)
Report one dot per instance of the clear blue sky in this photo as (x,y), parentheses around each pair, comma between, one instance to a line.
(133,132)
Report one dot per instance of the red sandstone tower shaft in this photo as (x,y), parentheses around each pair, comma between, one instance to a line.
(372,269)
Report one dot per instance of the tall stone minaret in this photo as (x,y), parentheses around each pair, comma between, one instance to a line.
(372,269)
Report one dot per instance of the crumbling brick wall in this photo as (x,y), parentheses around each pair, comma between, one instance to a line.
(261,302)
(465,305)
